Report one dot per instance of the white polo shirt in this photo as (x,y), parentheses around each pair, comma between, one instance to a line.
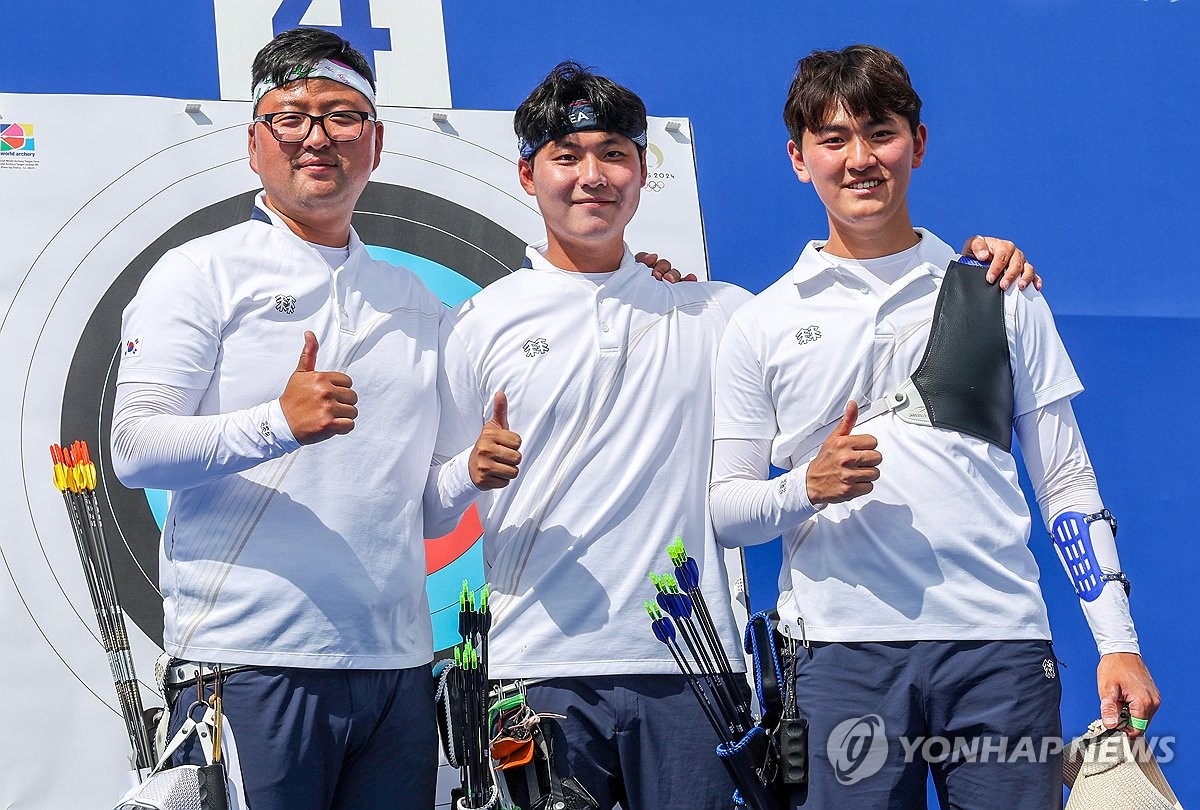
(313,557)
(938,550)
(609,384)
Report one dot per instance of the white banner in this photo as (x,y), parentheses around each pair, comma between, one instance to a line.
(404,42)
(96,189)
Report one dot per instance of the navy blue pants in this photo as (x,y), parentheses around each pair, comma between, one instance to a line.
(641,740)
(316,739)
(981,716)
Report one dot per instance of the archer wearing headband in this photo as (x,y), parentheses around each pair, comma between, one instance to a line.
(294,555)
(607,377)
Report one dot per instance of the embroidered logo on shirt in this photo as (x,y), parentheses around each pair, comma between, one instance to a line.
(808,334)
(1049,668)
(782,485)
(286,304)
(533,348)
(133,347)
(264,428)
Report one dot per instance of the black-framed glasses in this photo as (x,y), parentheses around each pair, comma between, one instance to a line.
(293,127)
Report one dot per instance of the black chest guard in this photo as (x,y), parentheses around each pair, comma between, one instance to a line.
(965,377)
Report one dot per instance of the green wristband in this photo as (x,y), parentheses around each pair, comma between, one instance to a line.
(1139,723)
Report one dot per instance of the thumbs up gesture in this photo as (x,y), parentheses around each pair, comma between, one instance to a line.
(494,459)
(845,465)
(317,404)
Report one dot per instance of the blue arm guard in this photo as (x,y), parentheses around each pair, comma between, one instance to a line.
(1073,542)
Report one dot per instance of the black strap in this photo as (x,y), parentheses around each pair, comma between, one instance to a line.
(760,643)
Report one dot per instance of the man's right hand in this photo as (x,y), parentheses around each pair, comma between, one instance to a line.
(317,404)
(1123,680)
(495,457)
(661,269)
(845,465)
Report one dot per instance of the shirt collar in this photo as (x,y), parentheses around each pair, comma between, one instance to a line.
(932,254)
(535,257)
(263,213)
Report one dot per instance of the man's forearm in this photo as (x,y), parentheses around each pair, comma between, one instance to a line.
(1063,481)
(448,492)
(158,441)
(746,507)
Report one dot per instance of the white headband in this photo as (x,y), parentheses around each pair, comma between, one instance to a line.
(325,69)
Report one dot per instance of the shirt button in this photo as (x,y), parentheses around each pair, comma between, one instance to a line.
(603,327)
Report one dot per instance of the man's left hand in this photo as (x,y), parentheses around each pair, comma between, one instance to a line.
(661,269)
(1007,262)
(1123,680)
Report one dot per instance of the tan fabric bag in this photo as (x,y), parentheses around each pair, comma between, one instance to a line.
(1105,769)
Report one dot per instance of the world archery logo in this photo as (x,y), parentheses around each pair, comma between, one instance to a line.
(16,138)
(533,348)
(808,334)
(857,748)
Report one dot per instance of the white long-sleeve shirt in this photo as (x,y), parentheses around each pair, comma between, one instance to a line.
(938,550)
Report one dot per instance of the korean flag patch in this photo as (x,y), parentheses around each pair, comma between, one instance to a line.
(133,347)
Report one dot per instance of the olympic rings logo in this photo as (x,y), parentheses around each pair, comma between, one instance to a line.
(655,185)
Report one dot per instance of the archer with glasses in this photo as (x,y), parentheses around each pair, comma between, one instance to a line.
(293,560)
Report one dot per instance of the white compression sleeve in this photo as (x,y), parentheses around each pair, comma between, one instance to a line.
(1063,480)
(746,506)
(159,442)
(449,490)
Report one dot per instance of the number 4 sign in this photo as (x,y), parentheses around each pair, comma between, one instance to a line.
(404,42)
